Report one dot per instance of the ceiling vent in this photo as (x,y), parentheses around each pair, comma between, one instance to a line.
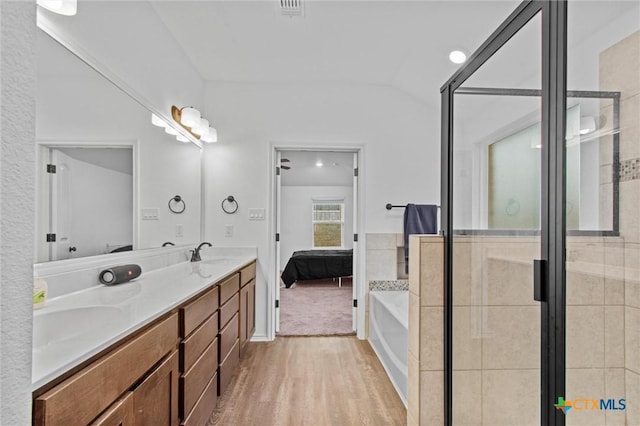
(291,8)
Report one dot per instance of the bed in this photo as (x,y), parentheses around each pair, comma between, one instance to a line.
(317,264)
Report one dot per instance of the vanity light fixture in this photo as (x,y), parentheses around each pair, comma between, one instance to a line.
(200,128)
(191,120)
(157,121)
(61,7)
(170,131)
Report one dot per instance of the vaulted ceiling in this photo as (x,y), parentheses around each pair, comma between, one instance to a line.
(403,44)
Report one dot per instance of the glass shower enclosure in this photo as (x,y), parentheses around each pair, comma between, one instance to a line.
(541,213)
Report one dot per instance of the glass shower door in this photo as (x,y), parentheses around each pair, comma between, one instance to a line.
(603,217)
(496,236)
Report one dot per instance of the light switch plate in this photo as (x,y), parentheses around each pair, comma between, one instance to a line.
(256,214)
(149,214)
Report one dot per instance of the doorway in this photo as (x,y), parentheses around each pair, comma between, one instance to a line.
(316,220)
(537,313)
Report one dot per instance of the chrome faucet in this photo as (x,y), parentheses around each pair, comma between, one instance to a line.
(195,254)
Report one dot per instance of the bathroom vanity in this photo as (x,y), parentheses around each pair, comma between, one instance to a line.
(160,350)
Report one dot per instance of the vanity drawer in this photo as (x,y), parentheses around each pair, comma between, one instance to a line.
(194,313)
(228,366)
(228,310)
(229,287)
(194,381)
(247,274)
(80,398)
(197,342)
(205,405)
(228,336)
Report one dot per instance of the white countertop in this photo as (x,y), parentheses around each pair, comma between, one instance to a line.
(72,328)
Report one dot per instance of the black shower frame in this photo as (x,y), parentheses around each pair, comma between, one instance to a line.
(552,218)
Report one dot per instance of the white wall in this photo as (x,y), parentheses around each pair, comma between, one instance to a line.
(129,40)
(100,196)
(17,199)
(296,232)
(401,161)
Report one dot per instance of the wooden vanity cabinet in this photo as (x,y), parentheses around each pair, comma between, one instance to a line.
(247,305)
(120,413)
(199,357)
(229,354)
(170,373)
(141,373)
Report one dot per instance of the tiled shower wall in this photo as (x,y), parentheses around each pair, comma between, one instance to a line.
(496,333)
(385,257)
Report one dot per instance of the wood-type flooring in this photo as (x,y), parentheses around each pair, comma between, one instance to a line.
(310,381)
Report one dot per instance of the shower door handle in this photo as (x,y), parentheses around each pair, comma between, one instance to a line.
(539,280)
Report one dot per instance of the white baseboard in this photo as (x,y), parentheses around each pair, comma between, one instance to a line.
(260,338)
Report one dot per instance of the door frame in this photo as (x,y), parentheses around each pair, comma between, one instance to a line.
(273,280)
(553,220)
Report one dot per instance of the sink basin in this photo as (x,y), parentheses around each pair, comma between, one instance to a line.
(70,327)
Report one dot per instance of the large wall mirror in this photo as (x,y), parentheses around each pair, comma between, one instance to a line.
(106,176)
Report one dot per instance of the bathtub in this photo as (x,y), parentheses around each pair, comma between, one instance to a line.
(388,330)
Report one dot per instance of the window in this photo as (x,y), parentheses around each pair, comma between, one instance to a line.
(328,223)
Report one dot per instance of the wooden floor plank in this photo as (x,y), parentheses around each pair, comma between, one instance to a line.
(310,381)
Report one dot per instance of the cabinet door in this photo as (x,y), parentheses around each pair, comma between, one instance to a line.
(120,413)
(155,400)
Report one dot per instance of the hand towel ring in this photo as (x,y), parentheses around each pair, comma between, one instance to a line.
(175,204)
(229,205)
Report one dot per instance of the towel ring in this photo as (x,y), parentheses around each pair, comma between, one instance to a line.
(229,205)
(174,204)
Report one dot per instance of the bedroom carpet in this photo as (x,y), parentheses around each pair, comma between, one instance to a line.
(316,308)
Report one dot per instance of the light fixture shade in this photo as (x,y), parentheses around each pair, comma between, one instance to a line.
(157,121)
(61,7)
(170,130)
(190,117)
(182,138)
(211,136)
(202,127)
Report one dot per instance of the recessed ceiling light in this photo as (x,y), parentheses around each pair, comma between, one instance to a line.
(457,56)
(318,163)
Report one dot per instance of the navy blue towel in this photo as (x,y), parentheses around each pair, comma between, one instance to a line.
(418,219)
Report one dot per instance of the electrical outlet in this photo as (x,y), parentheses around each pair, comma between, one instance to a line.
(228,231)
(179,230)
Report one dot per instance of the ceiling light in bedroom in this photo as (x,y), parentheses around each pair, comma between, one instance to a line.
(457,56)
(319,163)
